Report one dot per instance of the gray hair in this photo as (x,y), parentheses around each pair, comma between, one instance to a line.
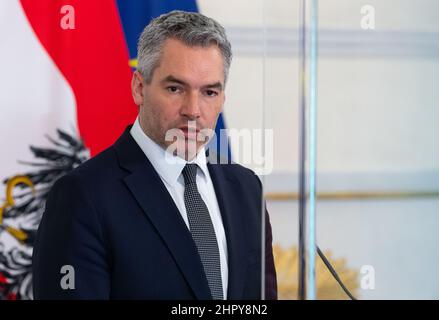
(193,29)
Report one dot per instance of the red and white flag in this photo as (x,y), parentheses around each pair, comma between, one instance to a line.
(64,76)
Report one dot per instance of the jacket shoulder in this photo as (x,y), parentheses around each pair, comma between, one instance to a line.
(100,165)
(241,174)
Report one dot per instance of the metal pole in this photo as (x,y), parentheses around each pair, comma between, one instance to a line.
(302,152)
(307,152)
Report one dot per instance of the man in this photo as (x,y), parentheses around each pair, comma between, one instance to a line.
(151,217)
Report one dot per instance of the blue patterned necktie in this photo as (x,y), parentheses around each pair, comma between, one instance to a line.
(202,231)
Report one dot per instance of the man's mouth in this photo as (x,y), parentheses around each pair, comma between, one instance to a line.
(189,132)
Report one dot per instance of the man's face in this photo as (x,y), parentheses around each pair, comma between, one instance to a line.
(186,92)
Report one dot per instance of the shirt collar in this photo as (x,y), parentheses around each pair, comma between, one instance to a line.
(158,156)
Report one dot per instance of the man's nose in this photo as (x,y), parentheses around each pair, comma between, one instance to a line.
(191,106)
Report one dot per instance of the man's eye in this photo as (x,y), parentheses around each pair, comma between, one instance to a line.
(173,89)
(211,93)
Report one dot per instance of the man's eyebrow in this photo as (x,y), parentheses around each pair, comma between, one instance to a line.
(171,78)
(216,85)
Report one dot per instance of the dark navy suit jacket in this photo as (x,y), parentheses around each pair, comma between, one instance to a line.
(113,220)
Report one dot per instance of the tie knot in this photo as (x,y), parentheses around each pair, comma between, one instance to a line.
(190,173)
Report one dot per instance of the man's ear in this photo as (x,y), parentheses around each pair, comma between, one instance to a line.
(137,88)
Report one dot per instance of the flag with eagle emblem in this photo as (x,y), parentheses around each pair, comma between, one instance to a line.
(64,96)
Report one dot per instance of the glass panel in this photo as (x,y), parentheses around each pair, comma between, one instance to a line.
(377,151)
(378,158)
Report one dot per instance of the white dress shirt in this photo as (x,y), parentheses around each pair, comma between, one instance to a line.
(171,174)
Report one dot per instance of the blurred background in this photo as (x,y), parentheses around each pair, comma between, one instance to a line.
(65,96)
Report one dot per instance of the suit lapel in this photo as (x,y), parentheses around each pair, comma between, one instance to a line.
(234,228)
(155,200)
